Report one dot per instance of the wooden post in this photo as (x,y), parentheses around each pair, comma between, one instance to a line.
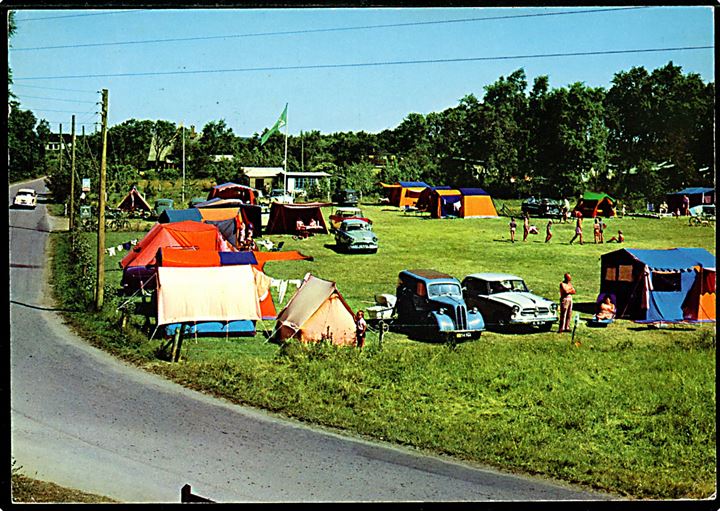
(100,285)
(179,346)
(175,342)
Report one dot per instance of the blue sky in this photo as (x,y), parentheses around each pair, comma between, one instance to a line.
(228,63)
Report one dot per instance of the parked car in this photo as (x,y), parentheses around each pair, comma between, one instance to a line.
(279,195)
(430,304)
(550,208)
(356,235)
(345,197)
(25,198)
(344,213)
(161,205)
(505,300)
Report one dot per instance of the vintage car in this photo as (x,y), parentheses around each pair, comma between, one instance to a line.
(549,208)
(430,305)
(279,195)
(504,300)
(25,198)
(161,205)
(356,235)
(345,197)
(345,213)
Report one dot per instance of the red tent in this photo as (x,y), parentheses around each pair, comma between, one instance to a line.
(176,234)
(284,217)
(233,191)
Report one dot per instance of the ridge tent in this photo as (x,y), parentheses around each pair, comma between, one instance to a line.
(668,285)
(696,195)
(137,265)
(233,191)
(179,215)
(477,203)
(593,204)
(316,312)
(284,217)
(134,201)
(404,193)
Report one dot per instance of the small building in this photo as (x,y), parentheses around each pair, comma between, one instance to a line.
(304,181)
(264,178)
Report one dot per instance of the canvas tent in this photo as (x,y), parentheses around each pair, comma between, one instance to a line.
(697,196)
(445,203)
(283,217)
(134,201)
(210,300)
(670,285)
(404,193)
(593,204)
(476,203)
(316,312)
(424,199)
(233,191)
(138,264)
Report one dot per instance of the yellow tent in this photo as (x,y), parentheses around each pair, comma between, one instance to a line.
(316,312)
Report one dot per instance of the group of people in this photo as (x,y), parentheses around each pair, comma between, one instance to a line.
(598,227)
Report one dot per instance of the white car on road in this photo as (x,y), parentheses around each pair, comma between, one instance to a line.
(25,198)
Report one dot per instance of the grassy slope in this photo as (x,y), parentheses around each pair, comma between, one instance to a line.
(625,409)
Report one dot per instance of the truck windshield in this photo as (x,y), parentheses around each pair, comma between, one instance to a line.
(446,289)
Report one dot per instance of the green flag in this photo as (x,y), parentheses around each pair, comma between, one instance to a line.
(282,121)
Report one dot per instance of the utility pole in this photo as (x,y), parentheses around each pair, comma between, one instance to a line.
(60,167)
(100,286)
(72,179)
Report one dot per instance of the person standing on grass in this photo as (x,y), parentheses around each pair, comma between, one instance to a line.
(566,303)
(526,226)
(686,205)
(360,328)
(548,231)
(513,228)
(578,228)
(597,230)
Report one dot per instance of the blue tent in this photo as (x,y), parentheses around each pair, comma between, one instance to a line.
(654,285)
(473,191)
(696,196)
(412,184)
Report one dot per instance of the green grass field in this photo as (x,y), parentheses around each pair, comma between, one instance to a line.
(627,409)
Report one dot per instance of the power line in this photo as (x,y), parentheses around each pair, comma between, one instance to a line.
(60,99)
(322,30)
(56,88)
(61,111)
(25,20)
(374,64)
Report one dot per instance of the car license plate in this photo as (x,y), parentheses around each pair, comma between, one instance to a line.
(462,335)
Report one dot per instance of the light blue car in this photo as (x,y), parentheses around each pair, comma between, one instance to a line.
(356,235)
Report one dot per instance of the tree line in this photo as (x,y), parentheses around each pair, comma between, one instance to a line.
(647,134)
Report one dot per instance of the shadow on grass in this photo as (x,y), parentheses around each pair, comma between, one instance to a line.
(674,328)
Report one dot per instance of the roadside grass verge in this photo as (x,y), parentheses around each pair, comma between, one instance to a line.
(27,489)
(627,409)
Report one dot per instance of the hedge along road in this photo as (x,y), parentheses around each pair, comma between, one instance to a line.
(82,419)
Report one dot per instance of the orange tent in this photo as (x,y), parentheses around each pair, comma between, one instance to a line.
(476,203)
(232,191)
(700,302)
(405,193)
(317,312)
(176,234)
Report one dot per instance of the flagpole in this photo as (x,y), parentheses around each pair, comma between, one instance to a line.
(286,149)
(183,164)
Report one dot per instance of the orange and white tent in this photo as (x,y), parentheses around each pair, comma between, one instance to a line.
(316,312)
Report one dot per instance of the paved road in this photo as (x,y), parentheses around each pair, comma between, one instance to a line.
(84,420)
